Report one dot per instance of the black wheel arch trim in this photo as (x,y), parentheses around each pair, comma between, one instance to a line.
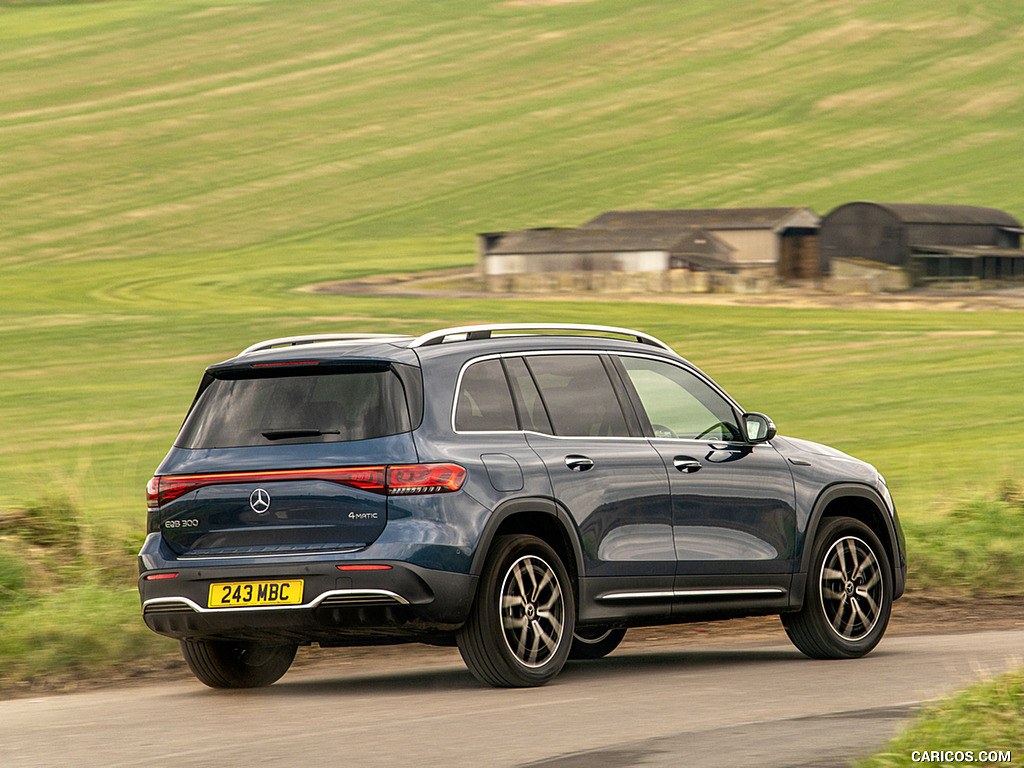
(532,506)
(889,538)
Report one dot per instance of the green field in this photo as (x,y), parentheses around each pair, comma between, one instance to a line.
(172,172)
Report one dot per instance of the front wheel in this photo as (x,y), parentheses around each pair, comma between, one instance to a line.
(849,594)
(237,665)
(520,627)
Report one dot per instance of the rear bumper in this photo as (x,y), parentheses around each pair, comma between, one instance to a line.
(404,602)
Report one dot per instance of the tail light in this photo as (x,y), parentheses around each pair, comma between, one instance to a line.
(399,479)
(424,478)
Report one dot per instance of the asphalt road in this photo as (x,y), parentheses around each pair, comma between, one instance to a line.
(660,705)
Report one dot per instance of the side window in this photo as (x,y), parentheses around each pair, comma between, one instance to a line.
(532,415)
(578,394)
(678,403)
(484,403)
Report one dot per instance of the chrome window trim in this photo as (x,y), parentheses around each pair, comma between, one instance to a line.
(694,371)
(503,355)
(688,367)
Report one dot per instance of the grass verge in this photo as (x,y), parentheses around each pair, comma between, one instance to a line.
(987,717)
(976,550)
(82,632)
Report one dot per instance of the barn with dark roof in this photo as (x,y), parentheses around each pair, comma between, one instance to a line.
(779,239)
(930,242)
(691,249)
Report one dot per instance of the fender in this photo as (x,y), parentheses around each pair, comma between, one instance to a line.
(890,538)
(532,505)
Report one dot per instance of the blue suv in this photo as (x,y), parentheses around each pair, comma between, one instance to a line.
(527,492)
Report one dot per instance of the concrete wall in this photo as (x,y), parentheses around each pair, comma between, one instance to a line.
(534,263)
(669,281)
(859,276)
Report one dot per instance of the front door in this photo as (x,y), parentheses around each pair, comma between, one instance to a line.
(733,516)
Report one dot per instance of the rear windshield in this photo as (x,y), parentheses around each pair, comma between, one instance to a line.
(275,410)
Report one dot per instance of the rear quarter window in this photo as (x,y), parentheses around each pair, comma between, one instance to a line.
(484,402)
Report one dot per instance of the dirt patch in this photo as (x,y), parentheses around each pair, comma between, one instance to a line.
(464,283)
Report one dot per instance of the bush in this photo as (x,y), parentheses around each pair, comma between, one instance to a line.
(978,549)
(13,576)
(52,523)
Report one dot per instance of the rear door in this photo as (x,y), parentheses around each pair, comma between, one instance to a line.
(610,479)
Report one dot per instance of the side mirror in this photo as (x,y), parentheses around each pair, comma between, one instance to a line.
(758,427)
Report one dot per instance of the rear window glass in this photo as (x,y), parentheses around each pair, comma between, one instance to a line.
(335,407)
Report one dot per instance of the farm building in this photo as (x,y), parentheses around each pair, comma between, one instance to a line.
(673,250)
(928,242)
(591,253)
(783,240)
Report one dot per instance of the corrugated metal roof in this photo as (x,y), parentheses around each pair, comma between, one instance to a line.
(707,218)
(689,240)
(913,213)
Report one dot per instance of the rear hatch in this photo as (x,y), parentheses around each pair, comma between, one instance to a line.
(286,457)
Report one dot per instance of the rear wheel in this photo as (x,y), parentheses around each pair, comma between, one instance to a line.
(520,628)
(237,665)
(595,642)
(849,594)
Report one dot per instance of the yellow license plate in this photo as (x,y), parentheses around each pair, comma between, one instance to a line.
(246,594)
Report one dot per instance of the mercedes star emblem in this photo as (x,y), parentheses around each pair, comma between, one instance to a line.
(259,500)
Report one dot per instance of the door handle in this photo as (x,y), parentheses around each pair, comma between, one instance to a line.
(578,463)
(686,464)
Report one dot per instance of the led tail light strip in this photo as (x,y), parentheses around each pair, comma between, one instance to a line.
(393,480)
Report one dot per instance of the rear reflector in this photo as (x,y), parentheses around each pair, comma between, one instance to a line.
(399,479)
(161,576)
(367,567)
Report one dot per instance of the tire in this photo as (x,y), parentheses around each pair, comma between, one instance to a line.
(848,599)
(595,642)
(520,627)
(237,665)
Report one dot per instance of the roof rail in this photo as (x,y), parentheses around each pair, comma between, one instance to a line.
(320,338)
(476,332)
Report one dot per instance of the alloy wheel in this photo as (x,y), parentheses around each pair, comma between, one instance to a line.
(532,611)
(851,588)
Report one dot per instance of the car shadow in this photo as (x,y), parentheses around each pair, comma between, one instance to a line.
(326,680)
